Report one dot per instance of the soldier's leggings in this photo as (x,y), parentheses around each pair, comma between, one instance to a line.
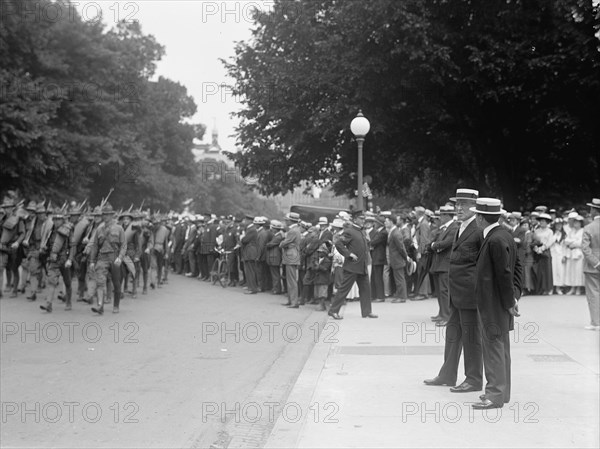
(105,269)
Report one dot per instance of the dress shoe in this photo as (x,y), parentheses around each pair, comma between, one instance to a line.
(378,300)
(33,297)
(438,381)
(485,404)
(482,397)
(464,388)
(335,316)
(398,300)
(441,323)
(436,318)
(371,315)
(47,307)
(419,298)
(293,306)
(287,304)
(592,328)
(115,309)
(99,310)
(250,292)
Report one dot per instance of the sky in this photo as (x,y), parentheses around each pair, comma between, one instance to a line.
(195,34)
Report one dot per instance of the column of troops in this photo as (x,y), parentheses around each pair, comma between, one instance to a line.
(104,250)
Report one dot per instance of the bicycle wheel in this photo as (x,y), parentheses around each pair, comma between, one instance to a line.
(214,272)
(224,274)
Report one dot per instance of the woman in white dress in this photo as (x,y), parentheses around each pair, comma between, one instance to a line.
(574,272)
(557,251)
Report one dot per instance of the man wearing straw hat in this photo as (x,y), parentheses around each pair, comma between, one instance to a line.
(290,254)
(462,329)
(591,269)
(498,288)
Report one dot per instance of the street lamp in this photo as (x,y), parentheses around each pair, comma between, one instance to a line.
(360,127)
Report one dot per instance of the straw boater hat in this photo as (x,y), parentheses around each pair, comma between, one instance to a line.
(546,217)
(488,206)
(595,203)
(465,194)
(276,224)
(447,210)
(337,223)
(323,220)
(411,266)
(293,216)
(516,215)
(572,215)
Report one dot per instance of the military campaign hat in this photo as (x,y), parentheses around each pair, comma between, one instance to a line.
(7,203)
(40,209)
(97,211)
(107,209)
(31,207)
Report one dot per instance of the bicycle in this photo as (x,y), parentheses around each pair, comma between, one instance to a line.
(220,269)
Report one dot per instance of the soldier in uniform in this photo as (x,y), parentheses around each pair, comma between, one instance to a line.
(131,265)
(11,236)
(59,263)
(77,247)
(147,239)
(32,242)
(108,251)
(87,242)
(161,235)
(208,242)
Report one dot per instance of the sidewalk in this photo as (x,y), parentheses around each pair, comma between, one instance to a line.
(363,383)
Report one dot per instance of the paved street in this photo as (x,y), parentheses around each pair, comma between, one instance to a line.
(189,365)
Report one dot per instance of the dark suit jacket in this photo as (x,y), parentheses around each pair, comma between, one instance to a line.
(264,236)
(273,250)
(325,236)
(230,239)
(250,244)
(463,261)
(189,243)
(398,254)
(378,246)
(208,241)
(353,241)
(443,248)
(498,281)
(519,233)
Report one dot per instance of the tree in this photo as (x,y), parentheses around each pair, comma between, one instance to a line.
(498,95)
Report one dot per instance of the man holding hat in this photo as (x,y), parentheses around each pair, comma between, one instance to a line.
(353,245)
(108,250)
(591,268)
(290,253)
(498,288)
(441,248)
(462,330)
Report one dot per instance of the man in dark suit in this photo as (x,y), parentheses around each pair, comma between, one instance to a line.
(398,258)
(498,288)
(263,272)
(179,237)
(230,243)
(378,246)
(422,240)
(249,241)
(462,330)
(325,234)
(353,245)
(274,255)
(441,248)
(518,233)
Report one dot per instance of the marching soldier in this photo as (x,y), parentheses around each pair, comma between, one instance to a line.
(59,264)
(147,239)
(11,236)
(85,260)
(76,253)
(108,251)
(131,264)
(161,235)
(32,243)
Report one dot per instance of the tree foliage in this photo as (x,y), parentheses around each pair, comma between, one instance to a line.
(80,112)
(498,95)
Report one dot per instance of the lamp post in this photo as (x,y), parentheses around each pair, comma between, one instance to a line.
(360,127)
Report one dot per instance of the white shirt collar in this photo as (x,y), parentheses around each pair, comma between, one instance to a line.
(487,230)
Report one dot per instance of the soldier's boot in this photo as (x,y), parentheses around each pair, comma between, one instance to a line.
(99,309)
(47,307)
